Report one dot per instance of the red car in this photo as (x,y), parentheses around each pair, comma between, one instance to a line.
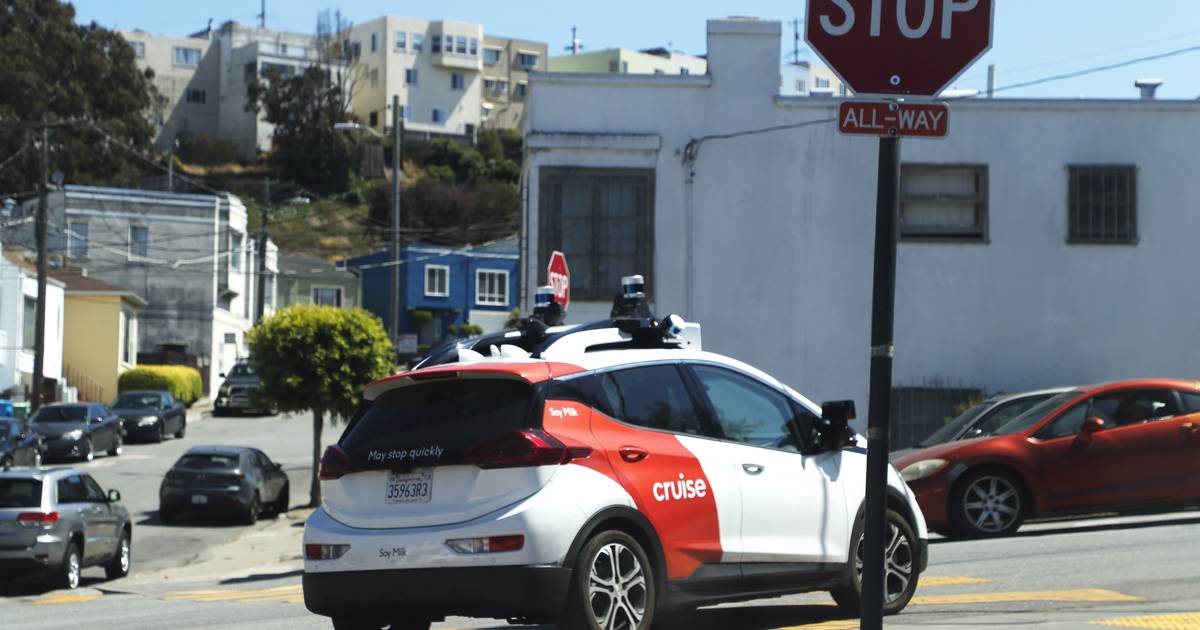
(1106,447)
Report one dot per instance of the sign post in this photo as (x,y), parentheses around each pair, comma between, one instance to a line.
(894,49)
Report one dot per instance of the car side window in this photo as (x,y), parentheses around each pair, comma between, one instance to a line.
(656,398)
(72,490)
(1066,424)
(1001,416)
(92,490)
(168,401)
(264,462)
(1191,402)
(748,411)
(1134,407)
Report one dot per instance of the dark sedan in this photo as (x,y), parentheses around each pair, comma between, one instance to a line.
(150,415)
(78,430)
(18,445)
(230,479)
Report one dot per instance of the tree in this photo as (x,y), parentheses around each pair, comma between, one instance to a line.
(317,358)
(54,69)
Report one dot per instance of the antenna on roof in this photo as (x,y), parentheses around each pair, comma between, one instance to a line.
(262,15)
(575,46)
(796,40)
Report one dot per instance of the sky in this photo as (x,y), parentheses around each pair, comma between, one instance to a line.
(1033,39)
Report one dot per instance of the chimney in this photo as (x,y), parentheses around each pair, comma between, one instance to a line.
(1148,87)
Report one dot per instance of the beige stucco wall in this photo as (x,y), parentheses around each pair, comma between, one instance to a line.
(92,339)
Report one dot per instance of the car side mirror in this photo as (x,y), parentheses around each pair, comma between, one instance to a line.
(114,496)
(276,466)
(835,432)
(1089,428)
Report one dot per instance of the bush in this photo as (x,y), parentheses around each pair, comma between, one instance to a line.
(184,382)
(207,150)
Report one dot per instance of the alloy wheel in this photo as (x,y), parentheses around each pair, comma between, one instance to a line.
(991,504)
(72,569)
(617,588)
(125,555)
(897,563)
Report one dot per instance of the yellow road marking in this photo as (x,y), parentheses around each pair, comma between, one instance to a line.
(76,598)
(1180,621)
(288,594)
(950,580)
(836,624)
(1074,595)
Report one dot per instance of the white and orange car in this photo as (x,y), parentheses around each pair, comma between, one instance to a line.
(592,476)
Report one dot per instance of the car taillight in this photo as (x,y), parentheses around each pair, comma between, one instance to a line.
(334,463)
(492,544)
(325,552)
(524,448)
(37,519)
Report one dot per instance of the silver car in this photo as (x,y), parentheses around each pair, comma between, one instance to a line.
(56,521)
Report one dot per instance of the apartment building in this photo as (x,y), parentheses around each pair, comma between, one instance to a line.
(804,78)
(506,67)
(187,73)
(628,61)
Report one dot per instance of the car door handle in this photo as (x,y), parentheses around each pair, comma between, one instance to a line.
(1188,429)
(753,469)
(632,454)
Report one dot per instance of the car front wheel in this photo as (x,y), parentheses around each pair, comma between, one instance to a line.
(612,587)
(900,567)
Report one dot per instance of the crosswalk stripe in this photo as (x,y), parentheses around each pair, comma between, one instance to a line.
(74,598)
(1178,621)
(836,624)
(950,580)
(1073,595)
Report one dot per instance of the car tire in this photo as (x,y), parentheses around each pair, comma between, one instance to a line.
(167,515)
(89,452)
(160,433)
(611,558)
(361,623)
(182,429)
(118,567)
(901,575)
(280,506)
(116,445)
(67,576)
(250,516)
(987,504)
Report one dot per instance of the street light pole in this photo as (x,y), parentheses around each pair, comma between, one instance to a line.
(261,283)
(397,160)
(39,331)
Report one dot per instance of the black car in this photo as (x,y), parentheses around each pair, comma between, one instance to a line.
(18,445)
(150,415)
(236,479)
(78,430)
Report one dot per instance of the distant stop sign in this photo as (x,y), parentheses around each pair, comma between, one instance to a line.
(899,47)
(559,277)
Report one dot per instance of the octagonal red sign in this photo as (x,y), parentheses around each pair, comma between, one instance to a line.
(559,277)
(899,47)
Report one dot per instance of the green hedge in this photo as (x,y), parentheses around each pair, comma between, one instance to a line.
(182,381)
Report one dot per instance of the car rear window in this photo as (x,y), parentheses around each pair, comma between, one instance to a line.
(435,423)
(208,462)
(20,493)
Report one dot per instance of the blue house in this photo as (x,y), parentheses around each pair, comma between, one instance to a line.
(442,286)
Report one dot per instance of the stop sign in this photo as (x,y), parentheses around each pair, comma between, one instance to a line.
(559,277)
(898,47)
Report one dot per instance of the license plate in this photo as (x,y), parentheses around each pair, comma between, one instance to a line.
(199,499)
(408,488)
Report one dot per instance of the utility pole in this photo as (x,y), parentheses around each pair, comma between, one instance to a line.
(261,249)
(262,15)
(397,162)
(796,41)
(39,331)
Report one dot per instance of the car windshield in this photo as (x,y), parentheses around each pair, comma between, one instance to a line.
(1036,413)
(242,369)
(20,493)
(955,426)
(208,462)
(137,401)
(65,413)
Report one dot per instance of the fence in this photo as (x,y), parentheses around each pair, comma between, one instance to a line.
(918,410)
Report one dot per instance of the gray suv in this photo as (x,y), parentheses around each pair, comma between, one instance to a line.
(54,522)
(239,393)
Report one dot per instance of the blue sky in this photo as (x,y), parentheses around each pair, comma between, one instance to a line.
(1033,38)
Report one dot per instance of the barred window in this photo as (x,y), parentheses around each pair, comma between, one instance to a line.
(943,202)
(1102,204)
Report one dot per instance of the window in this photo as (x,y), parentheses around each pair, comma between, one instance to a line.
(821,82)
(747,411)
(1133,407)
(373,118)
(418,41)
(491,56)
(1069,423)
(521,90)
(438,115)
(139,49)
(29,323)
(72,490)
(460,45)
(1102,204)
(401,40)
(528,61)
(235,250)
(489,85)
(277,70)
(1191,402)
(684,71)
(800,87)
(655,397)
(77,239)
(374,42)
(406,112)
(127,337)
(327,296)
(943,202)
(491,287)
(437,280)
(196,96)
(456,81)
(474,47)
(618,67)
(502,86)
(1001,416)
(659,71)
(411,76)
(435,43)
(186,56)
(139,241)
(602,219)
(374,77)
(92,491)
(249,70)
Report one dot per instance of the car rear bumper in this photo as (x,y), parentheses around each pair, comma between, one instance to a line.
(214,499)
(46,553)
(499,592)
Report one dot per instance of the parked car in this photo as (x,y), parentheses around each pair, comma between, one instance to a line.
(239,393)
(78,430)
(19,446)
(1129,444)
(982,418)
(57,521)
(230,479)
(150,415)
(576,472)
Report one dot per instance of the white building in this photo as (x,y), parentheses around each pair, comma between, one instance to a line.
(1044,242)
(18,313)
(805,78)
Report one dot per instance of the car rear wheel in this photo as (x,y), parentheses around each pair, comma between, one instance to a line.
(68,574)
(987,503)
(612,587)
(160,432)
(280,506)
(116,445)
(118,567)
(250,516)
(182,429)
(900,567)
